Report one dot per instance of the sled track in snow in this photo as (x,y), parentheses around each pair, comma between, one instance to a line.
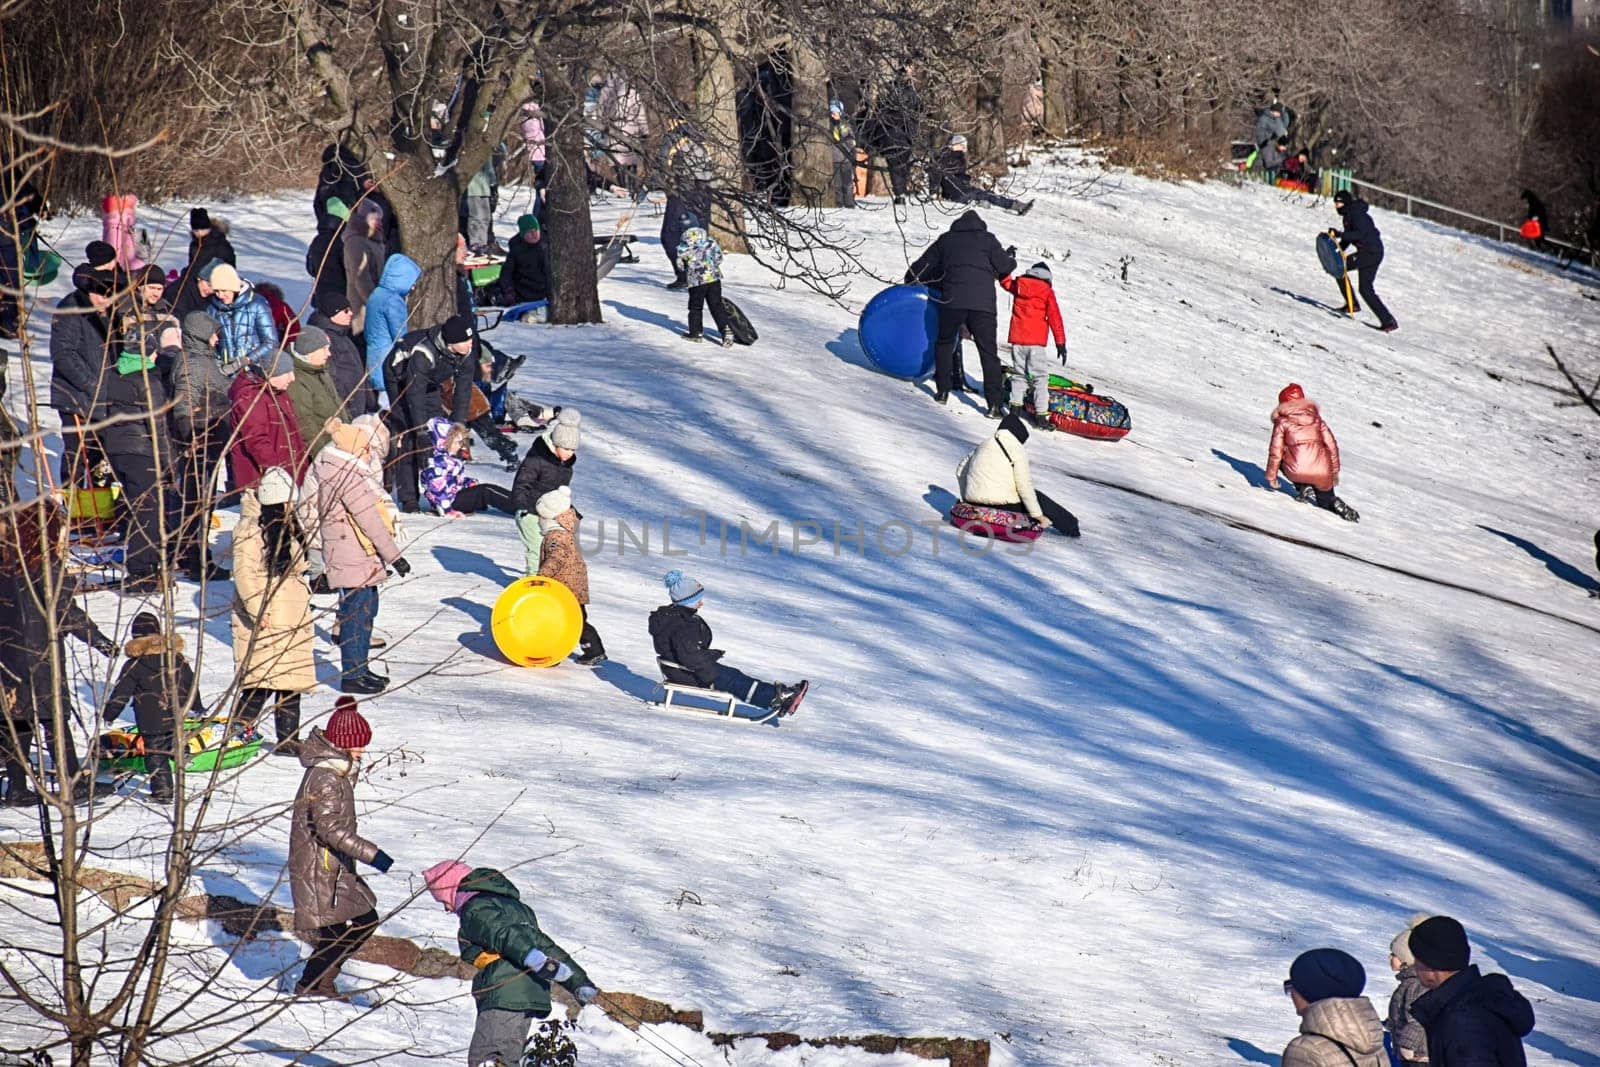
(1240,524)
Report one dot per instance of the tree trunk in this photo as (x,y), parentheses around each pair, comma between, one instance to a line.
(714,93)
(574,289)
(811,158)
(428,212)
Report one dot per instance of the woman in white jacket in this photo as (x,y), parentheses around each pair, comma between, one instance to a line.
(996,475)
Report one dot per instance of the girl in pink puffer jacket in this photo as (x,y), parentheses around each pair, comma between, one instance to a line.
(1305,450)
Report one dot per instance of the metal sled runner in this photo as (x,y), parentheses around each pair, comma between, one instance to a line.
(672,695)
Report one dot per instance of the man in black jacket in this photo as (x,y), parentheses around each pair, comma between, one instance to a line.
(413,375)
(526,274)
(899,124)
(1471,1019)
(956,184)
(78,343)
(1360,231)
(963,265)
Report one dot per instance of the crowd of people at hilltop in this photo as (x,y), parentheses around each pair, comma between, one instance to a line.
(329,427)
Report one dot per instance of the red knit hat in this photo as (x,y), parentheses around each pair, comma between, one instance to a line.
(347,728)
(1291,392)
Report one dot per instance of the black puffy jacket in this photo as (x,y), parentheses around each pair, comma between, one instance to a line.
(527,270)
(1475,1020)
(1359,229)
(32,664)
(682,636)
(963,264)
(77,355)
(541,471)
(160,699)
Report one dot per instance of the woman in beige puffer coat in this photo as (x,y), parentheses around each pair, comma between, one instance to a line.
(272,629)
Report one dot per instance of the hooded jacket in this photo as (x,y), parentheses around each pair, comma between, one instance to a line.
(996,473)
(527,270)
(78,342)
(695,199)
(1302,446)
(324,845)
(963,264)
(387,316)
(497,932)
(699,257)
(559,557)
(157,679)
(683,636)
(266,432)
(1475,1020)
(539,473)
(1035,315)
(1338,1032)
(357,530)
(1359,229)
(1270,127)
(199,388)
(315,399)
(418,365)
(245,327)
(445,474)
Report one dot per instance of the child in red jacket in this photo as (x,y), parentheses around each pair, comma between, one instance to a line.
(1035,317)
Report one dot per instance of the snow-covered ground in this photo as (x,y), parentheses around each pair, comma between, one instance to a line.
(1088,800)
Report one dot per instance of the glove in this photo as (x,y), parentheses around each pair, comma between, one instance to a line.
(103,645)
(586,994)
(1011,250)
(401,567)
(1061,354)
(382,862)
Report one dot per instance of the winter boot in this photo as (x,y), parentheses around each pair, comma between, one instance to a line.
(1042,422)
(367,683)
(1306,494)
(1344,511)
(287,722)
(995,411)
(787,702)
(942,396)
(727,340)
(695,337)
(1022,209)
(161,790)
(1597,550)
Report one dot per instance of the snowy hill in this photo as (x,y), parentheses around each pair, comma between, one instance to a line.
(1088,800)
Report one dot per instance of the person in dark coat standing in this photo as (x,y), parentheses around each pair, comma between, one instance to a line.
(421,362)
(38,612)
(683,643)
(158,681)
(963,265)
(1362,233)
(347,364)
(208,245)
(1471,1019)
(334,908)
(200,412)
(899,122)
(79,339)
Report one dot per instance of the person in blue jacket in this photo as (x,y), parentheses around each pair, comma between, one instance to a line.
(245,330)
(388,318)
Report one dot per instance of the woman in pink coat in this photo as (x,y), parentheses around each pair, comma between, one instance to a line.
(1304,449)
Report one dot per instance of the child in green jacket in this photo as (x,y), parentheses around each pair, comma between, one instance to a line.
(516,961)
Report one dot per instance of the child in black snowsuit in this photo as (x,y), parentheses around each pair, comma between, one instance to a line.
(683,643)
(159,682)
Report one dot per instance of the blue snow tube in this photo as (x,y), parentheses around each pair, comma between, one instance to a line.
(898,328)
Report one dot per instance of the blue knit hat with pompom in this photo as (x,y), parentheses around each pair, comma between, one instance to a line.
(684,589)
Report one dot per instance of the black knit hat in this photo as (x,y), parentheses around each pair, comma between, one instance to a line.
(1440,944)
(330,302)
(145,624)
(458,328)
(1324,973)
(98,253)
(94,282)
(1342,196)
(199,219)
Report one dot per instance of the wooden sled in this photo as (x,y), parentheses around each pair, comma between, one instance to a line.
(723,705)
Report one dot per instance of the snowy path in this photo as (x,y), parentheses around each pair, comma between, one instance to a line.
(1093,798)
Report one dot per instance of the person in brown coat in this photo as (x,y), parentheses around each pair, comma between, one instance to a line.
(334,908)
(364,255)
(1338,1026)
(560,559)
(1305,451)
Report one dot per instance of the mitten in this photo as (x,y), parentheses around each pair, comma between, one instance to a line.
(401,567)
(382,862)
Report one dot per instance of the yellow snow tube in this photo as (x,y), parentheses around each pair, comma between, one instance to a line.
(536,622)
